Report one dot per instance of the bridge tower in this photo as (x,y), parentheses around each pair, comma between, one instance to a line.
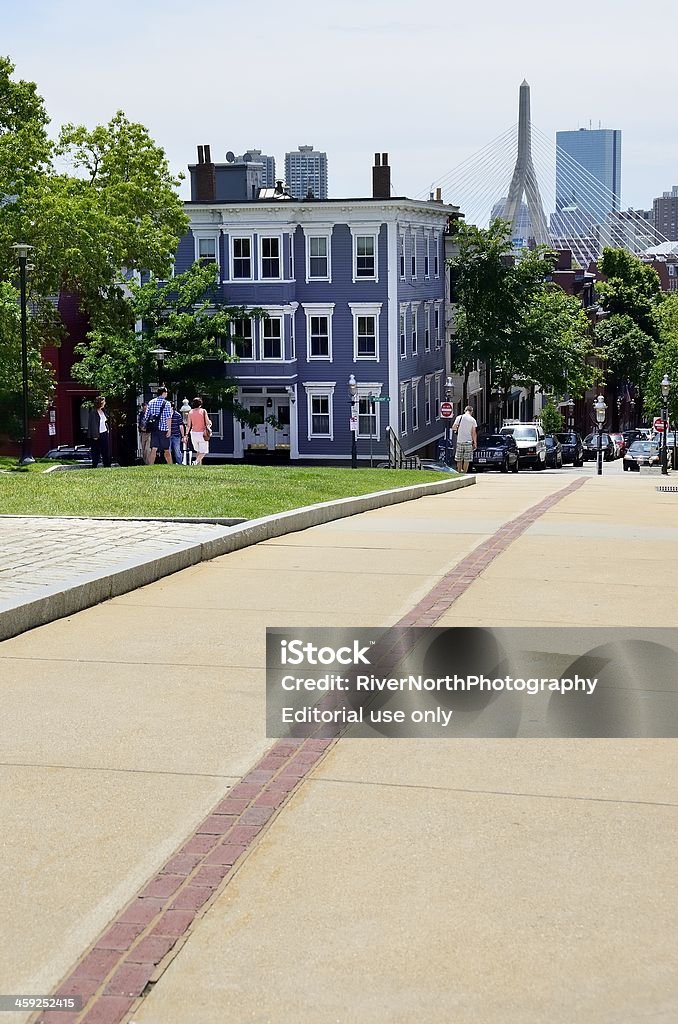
(524,180)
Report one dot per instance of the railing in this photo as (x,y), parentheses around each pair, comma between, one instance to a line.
(396,457)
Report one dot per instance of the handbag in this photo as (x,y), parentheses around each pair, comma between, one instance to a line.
(207,432)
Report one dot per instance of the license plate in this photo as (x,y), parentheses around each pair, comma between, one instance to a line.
(481,458)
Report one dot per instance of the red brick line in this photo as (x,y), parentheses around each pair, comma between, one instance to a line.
(136,947)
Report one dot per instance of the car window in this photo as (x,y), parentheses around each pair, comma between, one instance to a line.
(488,440)
(521,433)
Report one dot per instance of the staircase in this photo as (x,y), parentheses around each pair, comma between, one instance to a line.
(396,457)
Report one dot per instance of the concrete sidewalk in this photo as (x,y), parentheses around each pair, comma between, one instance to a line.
(507,882)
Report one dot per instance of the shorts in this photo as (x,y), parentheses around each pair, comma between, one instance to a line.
(160,440)
(464,451)
(200,445)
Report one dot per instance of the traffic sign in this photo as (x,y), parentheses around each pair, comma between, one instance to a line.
(446,410)
(658,425)
(379,398)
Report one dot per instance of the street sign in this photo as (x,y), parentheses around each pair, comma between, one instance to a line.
(446,410)
(353,423)
(658,425)
(379,398)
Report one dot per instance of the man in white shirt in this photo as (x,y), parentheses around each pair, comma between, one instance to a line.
(465,427)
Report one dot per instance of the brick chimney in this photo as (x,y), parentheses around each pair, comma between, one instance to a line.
(205,176)
(381,177)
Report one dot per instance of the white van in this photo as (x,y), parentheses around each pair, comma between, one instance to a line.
(531,443)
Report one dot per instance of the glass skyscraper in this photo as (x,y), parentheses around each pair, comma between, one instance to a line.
(598,151)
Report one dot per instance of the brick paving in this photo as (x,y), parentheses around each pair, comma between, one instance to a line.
(137,946)
(38,554)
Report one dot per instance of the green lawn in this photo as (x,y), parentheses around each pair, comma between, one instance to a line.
(245,491)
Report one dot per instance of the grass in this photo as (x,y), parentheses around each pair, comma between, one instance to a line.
(243,492)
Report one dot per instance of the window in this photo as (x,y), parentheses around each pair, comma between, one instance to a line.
(318,258)
(402,257)
(318,337)
(415,405)
(366,337)
(207,250)
(427,328)
(241,331)
(319,424)
(291,259)
(272,335)
(365,256)
(270,258)
(426,255)
(217,427)
(436,260)
(242,259)
(415,339)
(403,409)
(427,400)
(436,323)
(437,397)
(413,257)
(403,349)
(367,417)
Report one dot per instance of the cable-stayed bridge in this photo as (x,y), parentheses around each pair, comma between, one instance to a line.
(514,177)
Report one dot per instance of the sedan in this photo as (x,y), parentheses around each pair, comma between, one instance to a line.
(572,447)
(620,444)
(642,453)
(591,447)
(554,452)
(496,451)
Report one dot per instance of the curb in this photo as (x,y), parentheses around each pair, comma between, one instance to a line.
(57,602)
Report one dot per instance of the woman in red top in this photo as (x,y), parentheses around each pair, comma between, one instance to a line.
(199,424)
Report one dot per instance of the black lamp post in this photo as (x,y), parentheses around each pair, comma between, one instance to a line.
(666,388)
(352,393)
(600,409)
(449,397)
(570,414)
(22,250)
(159,356)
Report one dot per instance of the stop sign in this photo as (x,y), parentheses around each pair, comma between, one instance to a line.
(658,424)
(446,410)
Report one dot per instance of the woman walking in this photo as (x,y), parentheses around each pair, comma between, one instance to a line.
(200,427)
(97,431)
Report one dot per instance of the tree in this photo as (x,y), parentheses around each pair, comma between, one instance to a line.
(627,349)
(632,288)
(40,376)
(665,362)
(551,419)
(559,343)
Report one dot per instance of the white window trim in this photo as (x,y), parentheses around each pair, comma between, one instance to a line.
(364,391)
(438,308)
(321,389)
(280,317)
(438,397)
(200,233)
(245,359)
(427,326)
(402,334)
(413,254)
(436,254)
(427,391)
(402,260)
(231,239)
(402,408)
(415,395)
(365,309)
(260,256)
(318,309)
(414,328)
(427,256)
(290,265)
(367,230)
(318,231)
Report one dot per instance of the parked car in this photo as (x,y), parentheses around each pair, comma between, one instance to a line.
(636,434)
(531,444)
(554,452)
(429,464)
(642,453)
(496,451)
(572,447)
(591,447)
(619,444)
(70,453)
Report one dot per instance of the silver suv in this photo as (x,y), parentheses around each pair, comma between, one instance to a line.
(531,443)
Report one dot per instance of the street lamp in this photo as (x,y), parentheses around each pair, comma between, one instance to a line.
(185,410)
(22,250)
(600,409)
(666,388)
(570,414)
(449,397)
(353,421)
(159,355)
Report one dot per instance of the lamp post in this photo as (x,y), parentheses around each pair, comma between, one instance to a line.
(22,250)
(353,421)
(570,414)
(600,409)
(449,397)
(666,388)
(159,355)
(185,410)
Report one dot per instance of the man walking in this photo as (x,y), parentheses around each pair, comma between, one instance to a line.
(158,420)
(177,436)
(144,434)
(465,428)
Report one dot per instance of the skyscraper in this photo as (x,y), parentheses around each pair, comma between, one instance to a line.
(256,156)
(306,170)
(598,151)
(666,214)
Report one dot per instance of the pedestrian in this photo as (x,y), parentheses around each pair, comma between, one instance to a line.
(465,427)
(158,422)
(200,426)
(144,434)
(97,432)
(177,436)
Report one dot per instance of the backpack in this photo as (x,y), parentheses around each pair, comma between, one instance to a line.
(153,422)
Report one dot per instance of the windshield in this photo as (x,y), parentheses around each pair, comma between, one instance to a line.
(521,433)
(491,440)
(567,438)
(642,447)
(593,439)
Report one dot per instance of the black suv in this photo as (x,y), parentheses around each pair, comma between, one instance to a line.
(572,447)
(496,451)
(591,447)
(554,452)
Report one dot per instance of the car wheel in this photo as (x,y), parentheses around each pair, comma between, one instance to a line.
(625,467)
(516,466)
(504,465)
(578,463)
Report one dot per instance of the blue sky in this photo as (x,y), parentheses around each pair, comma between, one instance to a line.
(430,84)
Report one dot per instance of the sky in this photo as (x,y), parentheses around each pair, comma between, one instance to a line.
(430,85)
